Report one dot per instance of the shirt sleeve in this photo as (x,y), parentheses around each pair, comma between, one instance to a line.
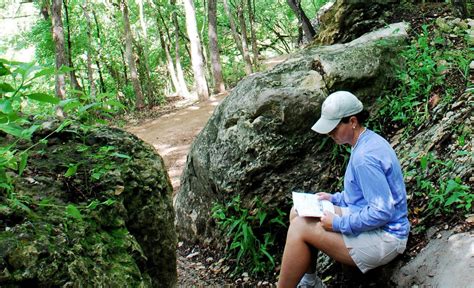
(338,199)
(380,204)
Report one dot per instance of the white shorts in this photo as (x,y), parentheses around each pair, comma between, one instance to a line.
(373,248)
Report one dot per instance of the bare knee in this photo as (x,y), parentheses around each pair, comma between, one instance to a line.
(306,228)
(293,214)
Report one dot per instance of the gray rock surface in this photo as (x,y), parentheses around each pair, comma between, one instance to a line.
(448,261)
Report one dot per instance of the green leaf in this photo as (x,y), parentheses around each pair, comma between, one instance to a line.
(12,129)
(115,103)
(43,97)
(4,70)
(5,88)
(23,161)
(65,69)
(24,69)
(65,123)
(72,211)
(71,170)
(6,106)
(26,133)
(261,217)
(270,257)
(93,204)
(109,202)
(44,71)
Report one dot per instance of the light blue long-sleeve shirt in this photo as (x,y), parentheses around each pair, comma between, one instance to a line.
(374,190)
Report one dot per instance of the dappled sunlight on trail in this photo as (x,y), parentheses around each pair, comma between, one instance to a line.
(172,134)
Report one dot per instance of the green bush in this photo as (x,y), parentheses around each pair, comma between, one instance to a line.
(249,232)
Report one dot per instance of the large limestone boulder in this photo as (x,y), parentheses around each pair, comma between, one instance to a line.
(259,142)
(108,224)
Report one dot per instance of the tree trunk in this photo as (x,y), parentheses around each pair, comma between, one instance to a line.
(308,29)
(219,86)
(72,74)
(196,51)
(169,63)
(97,62)
(139,103)
(150,91)
(60,58)
(179,70)
(253,35)
(90,72)
(235,35)
(243,29)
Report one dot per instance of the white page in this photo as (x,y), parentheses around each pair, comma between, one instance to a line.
(307,204)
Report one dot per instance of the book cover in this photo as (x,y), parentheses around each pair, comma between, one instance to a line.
(308,205)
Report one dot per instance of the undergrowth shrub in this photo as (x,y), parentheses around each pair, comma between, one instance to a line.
(250,233)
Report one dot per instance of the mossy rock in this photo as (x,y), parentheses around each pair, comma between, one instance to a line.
(93,208)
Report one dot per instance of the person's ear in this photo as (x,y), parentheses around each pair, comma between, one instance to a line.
(353,121)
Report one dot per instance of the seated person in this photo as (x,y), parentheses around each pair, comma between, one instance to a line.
(370,227)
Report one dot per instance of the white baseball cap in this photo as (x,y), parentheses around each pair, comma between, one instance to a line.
(338,105)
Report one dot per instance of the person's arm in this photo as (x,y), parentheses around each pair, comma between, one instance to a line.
(380,203)
(338,199)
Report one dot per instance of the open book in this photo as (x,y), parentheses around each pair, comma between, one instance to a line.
(308,205)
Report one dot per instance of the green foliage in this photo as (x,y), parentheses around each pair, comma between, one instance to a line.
(96,163)
(427,61)
(250,233)
(443,194)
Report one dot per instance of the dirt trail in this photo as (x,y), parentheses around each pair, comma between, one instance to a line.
(172,134)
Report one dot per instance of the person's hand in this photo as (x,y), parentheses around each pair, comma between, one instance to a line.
(324,196)
(326,220)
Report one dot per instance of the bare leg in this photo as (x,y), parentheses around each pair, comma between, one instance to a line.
(303,233)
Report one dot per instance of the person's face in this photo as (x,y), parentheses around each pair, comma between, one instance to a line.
(343,133)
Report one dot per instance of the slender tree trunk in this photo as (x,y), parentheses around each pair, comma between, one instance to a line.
(90,72)
(219,86)
(139,103)
(124,65)
(243,29)
(60,58)
(169,63)
(148,83)
(103,89)
(252,31)
(196,51)
(179,70)
(72,74)
(303,19)
(235,35)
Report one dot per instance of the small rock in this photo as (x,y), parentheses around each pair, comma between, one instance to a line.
(209,259)
(470,218)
